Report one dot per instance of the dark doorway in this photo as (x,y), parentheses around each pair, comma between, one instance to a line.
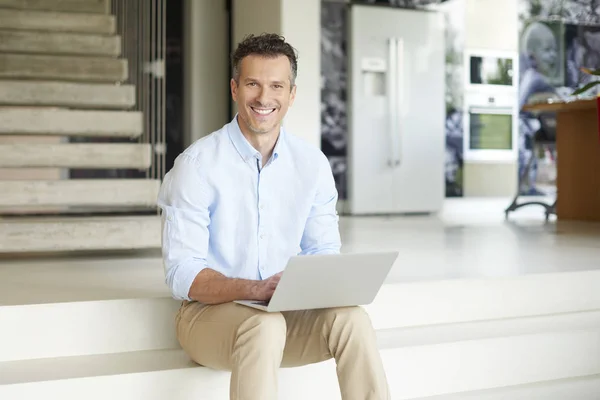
(174,83)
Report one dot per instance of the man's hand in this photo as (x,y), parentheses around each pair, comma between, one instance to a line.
(212,287)
(266,288)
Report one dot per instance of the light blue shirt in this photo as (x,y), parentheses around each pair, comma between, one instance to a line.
(221,210)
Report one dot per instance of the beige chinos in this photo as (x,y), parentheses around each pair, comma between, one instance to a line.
(254,344)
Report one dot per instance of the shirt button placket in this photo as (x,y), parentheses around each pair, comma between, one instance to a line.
(262,223)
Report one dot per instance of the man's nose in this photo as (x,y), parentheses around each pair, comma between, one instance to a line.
(263,95)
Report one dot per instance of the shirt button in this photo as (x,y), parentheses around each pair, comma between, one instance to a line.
(262,236)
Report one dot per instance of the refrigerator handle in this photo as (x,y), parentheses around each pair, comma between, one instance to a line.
(399,86)
(395,50)
(391,81)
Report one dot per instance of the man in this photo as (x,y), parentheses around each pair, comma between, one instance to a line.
(236,206)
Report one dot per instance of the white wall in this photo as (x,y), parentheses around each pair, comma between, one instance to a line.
(492,24)
(304,34)
(255,17)
(206,68)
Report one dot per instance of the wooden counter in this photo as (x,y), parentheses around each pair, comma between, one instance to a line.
(578,158)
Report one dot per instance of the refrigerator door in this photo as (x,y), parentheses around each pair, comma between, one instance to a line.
(397,131)
(419,184)
(370,159)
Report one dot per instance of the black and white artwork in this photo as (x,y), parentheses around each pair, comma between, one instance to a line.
(454,13)
(557,39)
(582,49)
(402,3)
(567,11)
(334,78)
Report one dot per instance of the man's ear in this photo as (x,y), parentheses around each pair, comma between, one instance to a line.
(234,87)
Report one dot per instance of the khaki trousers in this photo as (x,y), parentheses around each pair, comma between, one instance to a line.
(253,345)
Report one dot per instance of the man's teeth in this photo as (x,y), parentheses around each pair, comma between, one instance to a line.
(264,112)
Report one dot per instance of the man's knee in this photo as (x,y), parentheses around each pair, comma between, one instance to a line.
(355,317)
(263,329)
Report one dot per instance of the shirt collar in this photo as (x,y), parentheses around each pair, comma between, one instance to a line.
(244,148)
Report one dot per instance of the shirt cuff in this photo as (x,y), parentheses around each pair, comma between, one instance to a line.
(183,277)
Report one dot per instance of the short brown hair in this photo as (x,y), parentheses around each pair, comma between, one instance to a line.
(265,45)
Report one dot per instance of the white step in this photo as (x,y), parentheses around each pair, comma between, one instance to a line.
(74,6)
(66,94)
(585,388)
(61,289)
(59,43)
(76,155)
(63,68)
(47,121)
(492,363)
(57,21)
(79,233)
(80,192)
(414,372)
(426,302)
(88,327)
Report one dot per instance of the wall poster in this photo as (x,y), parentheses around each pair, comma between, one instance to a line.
(556,39)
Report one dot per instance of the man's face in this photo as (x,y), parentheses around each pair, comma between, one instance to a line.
(263,93)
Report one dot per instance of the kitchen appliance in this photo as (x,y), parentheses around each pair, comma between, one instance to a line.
(490,70)
(396,110)
(490,106)
(490,121)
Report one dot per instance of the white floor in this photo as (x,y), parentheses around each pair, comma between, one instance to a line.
(472,239)
(468,239)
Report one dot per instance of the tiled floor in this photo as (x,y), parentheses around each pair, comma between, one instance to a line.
(469,239)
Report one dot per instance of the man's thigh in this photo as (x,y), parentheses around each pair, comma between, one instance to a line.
(208,332)
(308,333)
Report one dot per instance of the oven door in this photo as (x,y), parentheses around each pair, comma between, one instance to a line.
(490,134)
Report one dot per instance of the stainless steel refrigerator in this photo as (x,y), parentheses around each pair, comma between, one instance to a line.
(396,110)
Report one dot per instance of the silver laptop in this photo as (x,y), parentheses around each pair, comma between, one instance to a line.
(324,281)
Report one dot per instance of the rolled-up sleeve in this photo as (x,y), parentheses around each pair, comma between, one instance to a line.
(321,233)
(184,200)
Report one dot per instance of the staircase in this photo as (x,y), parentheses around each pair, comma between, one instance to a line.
(77,169)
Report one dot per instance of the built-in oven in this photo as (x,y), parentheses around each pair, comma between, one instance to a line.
(491,127)
(490,106)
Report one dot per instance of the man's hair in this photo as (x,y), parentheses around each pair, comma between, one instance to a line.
(268,45)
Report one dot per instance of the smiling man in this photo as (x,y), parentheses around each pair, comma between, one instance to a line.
(236,206)
(264,91)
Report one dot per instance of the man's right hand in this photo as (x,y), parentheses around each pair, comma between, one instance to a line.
(212,287)
(266,288)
